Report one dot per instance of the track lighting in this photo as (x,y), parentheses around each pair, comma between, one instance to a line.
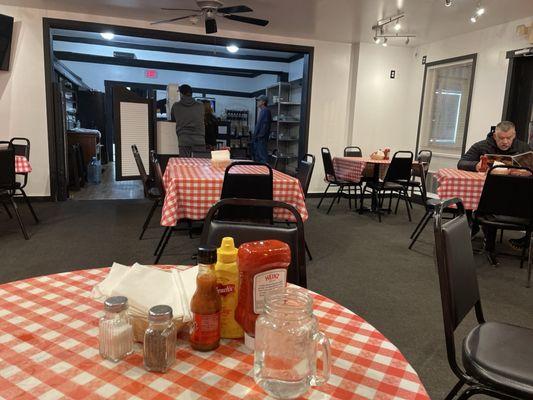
(407,41)
(377,40)
(397,26)
(384,44)
(447,3)
(390,27)
(480,11)
(473,19)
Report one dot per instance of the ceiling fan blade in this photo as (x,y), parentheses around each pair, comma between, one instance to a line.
(180,9)
(247,20)
(210,25)
(163,21)
(234,9)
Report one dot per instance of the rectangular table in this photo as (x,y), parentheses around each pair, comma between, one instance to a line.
(466,185)
(193,185)
(352,168)
(22,165)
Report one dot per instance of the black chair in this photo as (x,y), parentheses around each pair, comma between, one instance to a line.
(9,185)
(239,153)
(304,174)
(163,160)
(331,179)
(167,233)
(242,232)
(429,205)
(424,158)
(506,203)
(273,159)
(496,357)
(396,180)
(247,186)
(22,148)
(151,191)
(353,151)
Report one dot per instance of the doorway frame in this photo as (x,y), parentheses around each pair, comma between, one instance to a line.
(58,188)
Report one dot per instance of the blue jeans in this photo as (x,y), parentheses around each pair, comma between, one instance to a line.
(260,150)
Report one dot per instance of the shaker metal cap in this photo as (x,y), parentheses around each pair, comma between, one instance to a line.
(160,313)
(116,303)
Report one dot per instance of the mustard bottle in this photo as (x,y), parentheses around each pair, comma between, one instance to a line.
(227,274)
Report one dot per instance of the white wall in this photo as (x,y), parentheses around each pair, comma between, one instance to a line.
(384,114)
(491,45)
(22,90)
(386,110)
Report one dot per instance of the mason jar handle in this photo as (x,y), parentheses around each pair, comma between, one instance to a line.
(322,377)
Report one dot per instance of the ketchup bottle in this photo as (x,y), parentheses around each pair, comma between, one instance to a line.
(262,268)
(205,303)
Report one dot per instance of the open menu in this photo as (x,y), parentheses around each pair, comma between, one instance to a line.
(519,160)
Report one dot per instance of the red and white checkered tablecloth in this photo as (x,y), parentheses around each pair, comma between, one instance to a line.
(352,168)
(49,350)
(194,185)
(466,185)
(22,165)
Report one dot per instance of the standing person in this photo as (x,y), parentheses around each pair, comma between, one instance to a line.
(211,126)
(262,130)
(189,117)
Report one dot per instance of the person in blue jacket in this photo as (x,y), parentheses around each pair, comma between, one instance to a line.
(262,130)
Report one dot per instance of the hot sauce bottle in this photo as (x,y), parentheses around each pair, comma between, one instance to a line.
(262,268)
(205,303)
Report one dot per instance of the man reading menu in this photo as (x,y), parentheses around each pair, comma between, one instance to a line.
(502,141)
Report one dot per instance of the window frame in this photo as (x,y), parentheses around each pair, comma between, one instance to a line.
(469,57)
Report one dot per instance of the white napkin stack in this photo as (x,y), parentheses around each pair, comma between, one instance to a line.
(146,286)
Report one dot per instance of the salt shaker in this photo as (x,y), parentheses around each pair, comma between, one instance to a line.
(160,339)
(116,331)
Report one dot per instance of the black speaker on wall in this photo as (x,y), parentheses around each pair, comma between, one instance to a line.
(6,35)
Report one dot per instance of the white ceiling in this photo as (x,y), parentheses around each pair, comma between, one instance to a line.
(336,20)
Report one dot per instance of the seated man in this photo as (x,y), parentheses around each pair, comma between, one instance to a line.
(502,141)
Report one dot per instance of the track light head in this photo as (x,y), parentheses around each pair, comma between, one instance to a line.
(407,41)
(473,19)
(447,3)
(384,44)
(480,11)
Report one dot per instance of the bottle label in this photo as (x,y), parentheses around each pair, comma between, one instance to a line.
(205,328)
(265,282)
(224,290)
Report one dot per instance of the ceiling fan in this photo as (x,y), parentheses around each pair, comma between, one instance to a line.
(209,10)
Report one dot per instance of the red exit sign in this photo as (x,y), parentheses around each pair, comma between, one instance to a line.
(150,73)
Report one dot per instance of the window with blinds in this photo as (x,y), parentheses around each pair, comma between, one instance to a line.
(444,114)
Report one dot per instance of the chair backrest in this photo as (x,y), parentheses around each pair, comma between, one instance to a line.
(329,170)
(305,171)
(247,186)
(242,232)
(507,195)
(239,153)
(424,157)
(274,159)
(457,273)
(7,166)
(353,151)
(400,167)
(140,165)
(21,146)
(200,154)
(158,173)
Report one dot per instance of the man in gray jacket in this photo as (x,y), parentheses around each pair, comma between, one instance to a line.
(189,117)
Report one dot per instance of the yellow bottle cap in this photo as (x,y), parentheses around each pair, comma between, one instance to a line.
(227,252)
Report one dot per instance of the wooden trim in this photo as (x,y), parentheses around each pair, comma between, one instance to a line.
(175,50)
(471,90)
(70,75)
(512,54)
(508,84)
(169,66)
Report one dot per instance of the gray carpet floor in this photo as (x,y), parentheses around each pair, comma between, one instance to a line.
(358,262)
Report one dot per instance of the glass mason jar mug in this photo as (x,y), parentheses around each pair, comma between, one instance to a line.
(287,342)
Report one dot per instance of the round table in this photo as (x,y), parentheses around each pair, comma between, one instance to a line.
(49,350)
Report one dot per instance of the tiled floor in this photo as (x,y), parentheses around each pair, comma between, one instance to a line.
(109,188)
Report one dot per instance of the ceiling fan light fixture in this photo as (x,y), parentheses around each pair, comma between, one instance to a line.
(232,48)
(107,35)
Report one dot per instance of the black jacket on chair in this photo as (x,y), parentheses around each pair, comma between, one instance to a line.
(488,146)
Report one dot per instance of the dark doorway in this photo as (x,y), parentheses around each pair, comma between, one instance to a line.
(518,106)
